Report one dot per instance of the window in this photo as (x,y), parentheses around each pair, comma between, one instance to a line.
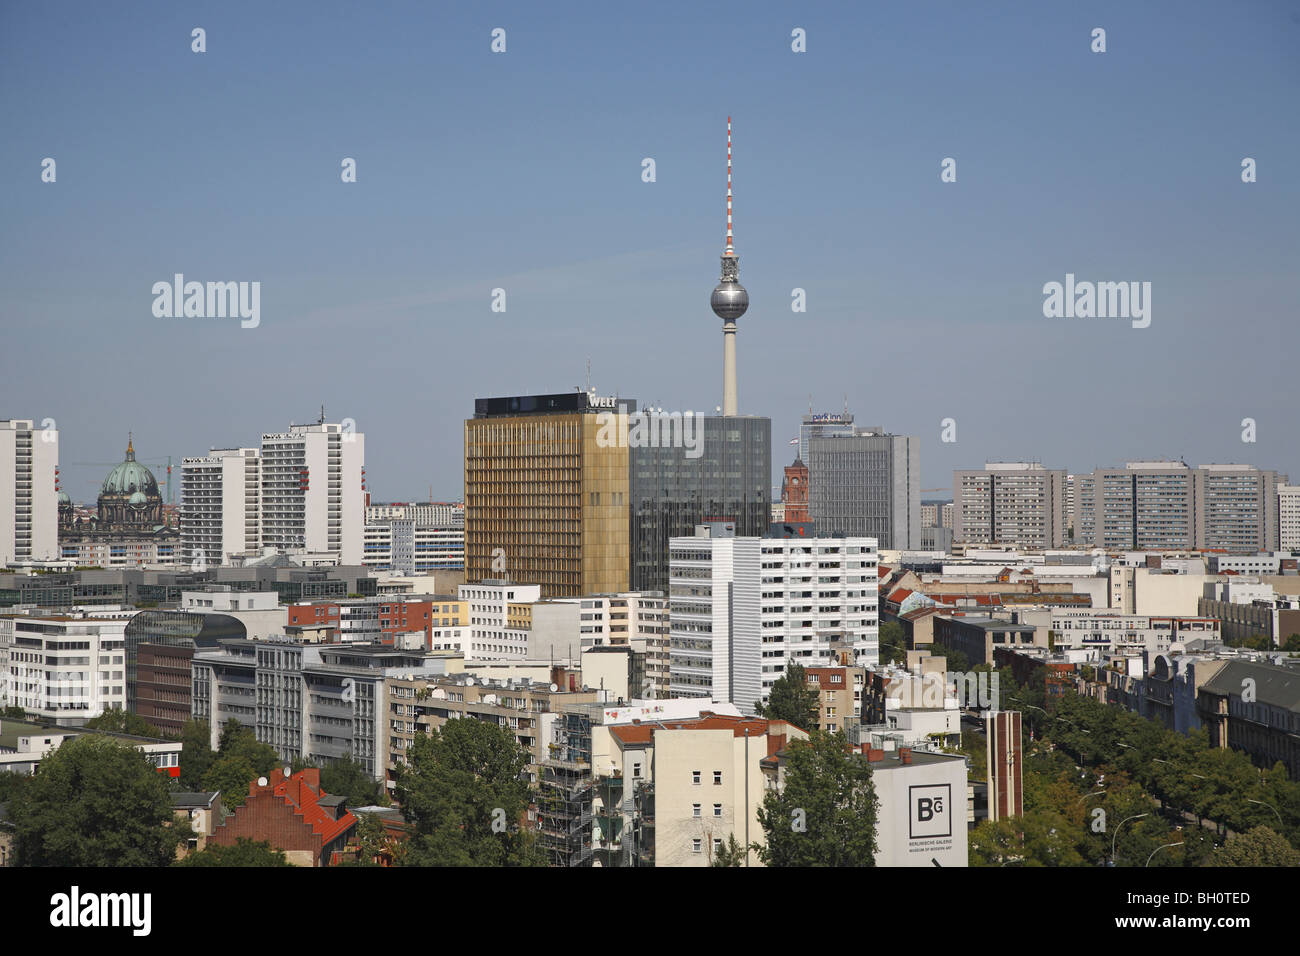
(717,844)
(695,810)
(695,846)
(695,777)
(717,778)
(717,809)
(636,771)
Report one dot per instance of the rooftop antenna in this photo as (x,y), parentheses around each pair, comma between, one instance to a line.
(322,416)
(589,373)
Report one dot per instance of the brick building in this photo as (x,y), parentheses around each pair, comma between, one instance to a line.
(164,686)
(293,814)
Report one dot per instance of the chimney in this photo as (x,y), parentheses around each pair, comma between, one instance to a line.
(873,755)
(905,755)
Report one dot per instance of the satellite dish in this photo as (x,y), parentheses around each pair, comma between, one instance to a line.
(554,688)
(262,781)
(287,771)
(469,681)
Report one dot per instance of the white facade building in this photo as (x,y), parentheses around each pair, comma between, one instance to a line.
(313,490)
(434,514)
(406,546)
(490,632)
(741,610)
(220,511)
(29,495)
(1288,517)
(1104,632)
(66,669)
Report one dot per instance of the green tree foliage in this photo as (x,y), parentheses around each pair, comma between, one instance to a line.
(729,854)
(197,755)
(13,713)
(893,643)
(118,721)
(372,842)
(792,700)
(10,783)
(458,782)
(825,814)
(348,778)
(245,852)
(95,802)
(1262,846)
(239,760)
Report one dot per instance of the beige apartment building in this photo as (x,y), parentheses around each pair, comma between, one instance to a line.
(672,792)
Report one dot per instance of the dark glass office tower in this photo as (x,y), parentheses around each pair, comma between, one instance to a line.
(671,493)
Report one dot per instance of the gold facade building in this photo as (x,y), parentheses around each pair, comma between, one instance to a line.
(546,500)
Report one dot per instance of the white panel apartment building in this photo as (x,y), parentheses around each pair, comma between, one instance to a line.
(66,669)
(741,610)
(313,495)
(814,591)
(29,496)
(715,641)
(1288,517)
(491,635)
(405,546)
(220,512)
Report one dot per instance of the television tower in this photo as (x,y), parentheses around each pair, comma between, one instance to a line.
(729,301)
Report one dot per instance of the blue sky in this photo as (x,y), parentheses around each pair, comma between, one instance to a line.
(522,170)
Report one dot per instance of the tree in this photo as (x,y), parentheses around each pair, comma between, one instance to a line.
(13,713)
(95,802)
(347,777)
(372,843)
(730,854)
(245,852)
(230,776)
(118,721)
(893,643)
(792,700)
(825,814)
(463,791)
(1261,846)
(197,754)
(10,783)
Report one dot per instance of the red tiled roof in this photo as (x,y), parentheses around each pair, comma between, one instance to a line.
(882,571)
(643,732)
(302,791)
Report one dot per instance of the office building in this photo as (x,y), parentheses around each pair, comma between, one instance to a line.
(546,492)
(66,669)
(867,484)
(1005,771)
(1288,517)
(1021,504)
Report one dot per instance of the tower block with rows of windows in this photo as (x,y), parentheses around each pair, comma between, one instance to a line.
(546,493)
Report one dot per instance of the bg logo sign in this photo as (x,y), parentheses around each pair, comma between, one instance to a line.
(930,811)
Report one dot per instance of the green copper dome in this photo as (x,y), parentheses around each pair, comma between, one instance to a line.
(130,477)
(64,499)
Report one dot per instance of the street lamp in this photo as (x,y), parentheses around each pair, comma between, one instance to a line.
(1270,806)
(1159,848)
(1115,835)
(1093,794)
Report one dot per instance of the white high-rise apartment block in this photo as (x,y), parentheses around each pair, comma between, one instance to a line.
(313,490)
(1288,517)
(741,610)
(29,495)
(493,634)
(220,505)
(715,641)
(64,669)
(815,592)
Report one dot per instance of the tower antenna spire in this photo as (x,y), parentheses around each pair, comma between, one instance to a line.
(730,248)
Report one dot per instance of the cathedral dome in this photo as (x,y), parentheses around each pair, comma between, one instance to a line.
(130,477)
